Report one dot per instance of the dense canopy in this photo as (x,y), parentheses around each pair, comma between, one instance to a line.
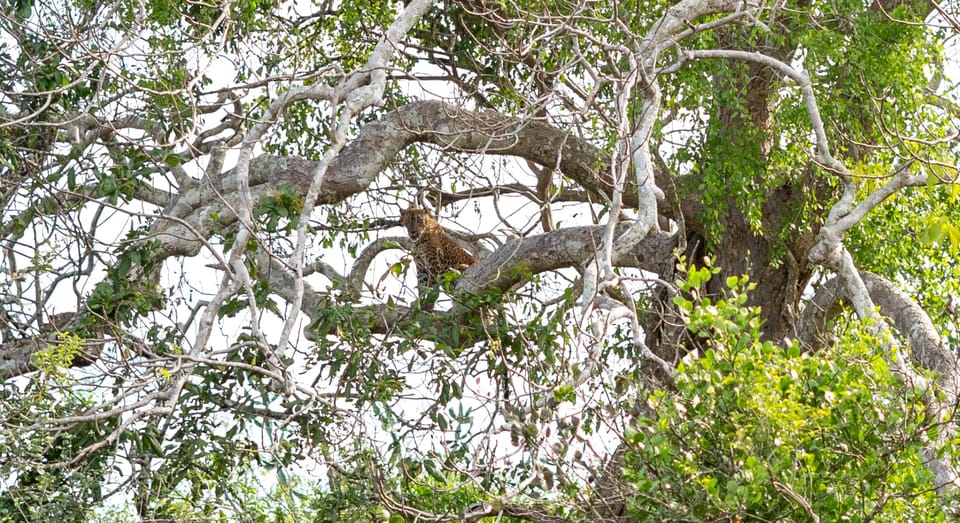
(716,272)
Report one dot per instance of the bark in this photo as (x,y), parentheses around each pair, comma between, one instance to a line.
(779,267)
(776,263)
(510,265)
(205,208)
(188,222)
(909,319)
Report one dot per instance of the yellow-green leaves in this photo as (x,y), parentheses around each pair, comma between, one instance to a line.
(55,357)
(941,231)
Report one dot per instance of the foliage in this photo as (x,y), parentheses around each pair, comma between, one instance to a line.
(761,432)
(207,313)
(53,475)
(928,219)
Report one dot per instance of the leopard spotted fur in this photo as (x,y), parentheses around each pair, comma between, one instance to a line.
(434,252)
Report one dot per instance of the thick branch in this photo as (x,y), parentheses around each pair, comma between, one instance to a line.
(926,350)
(371,152)
(208,207)
(510,265)
(520,258)
(909,319)
(17,356)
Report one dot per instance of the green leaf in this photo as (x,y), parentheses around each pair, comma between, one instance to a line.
(24,8)
(431,467)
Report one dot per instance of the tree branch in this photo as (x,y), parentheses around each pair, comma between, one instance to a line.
(378,144)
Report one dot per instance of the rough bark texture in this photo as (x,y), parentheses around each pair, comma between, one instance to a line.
(778,265)
(205,208)
(509,265)
(188,220)
(909,319)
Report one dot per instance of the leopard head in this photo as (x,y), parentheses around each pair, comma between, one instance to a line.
(415,220)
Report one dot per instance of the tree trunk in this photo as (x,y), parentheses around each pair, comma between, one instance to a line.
(775,262)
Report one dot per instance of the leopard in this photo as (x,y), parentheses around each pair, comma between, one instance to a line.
(434,252)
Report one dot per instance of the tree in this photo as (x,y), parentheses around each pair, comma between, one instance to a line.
(715,276)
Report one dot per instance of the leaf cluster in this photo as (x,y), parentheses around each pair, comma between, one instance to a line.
(762,432)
